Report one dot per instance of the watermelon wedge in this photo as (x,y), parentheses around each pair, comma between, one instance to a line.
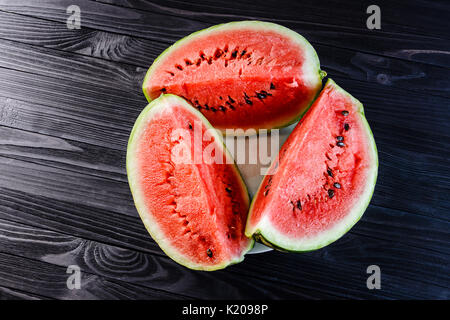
(322,180)
(246,74)
(195,210)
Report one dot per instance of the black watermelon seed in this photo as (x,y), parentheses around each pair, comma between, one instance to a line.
(188,62)
(266,192)
(345,113)
(337,185)
(213,109)
(331,193)
(266,93)
(163,89)
(202,55)
(247,99)
(222,108)
(346,127)
(228,190)
(340,138)
(190,125)
(218,53)
(340,144)
(206,107)
(231,99)
(220,97)
(234,54)
(229,105)
(179,67)
(299,205)
(272,86)
(261,95)
(330,173)
(243,52)
(209,253)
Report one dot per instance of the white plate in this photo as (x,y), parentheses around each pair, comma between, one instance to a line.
(253,173)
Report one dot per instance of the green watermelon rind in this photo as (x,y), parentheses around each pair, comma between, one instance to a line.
(313,64)
(272,239)
(151,225)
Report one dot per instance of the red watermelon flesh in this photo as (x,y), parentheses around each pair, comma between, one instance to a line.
(322,180)
(240,75)
(195,211)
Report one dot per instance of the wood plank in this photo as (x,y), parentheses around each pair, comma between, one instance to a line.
(417,17)
(127,79)
(71,186)
(65,124)
(399,270)
(63,153)
(108,18)
(108,114)
(42,278)
(341,267)
(156,26)
(128,232)
(13,294)
(85,41)
(136,268)
(122,78)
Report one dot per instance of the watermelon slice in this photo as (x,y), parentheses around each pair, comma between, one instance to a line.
(323,179)
(195,210)
(246,74)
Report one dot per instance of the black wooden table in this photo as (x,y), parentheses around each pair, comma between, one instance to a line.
(68,100)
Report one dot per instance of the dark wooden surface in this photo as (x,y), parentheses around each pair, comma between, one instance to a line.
(68,100)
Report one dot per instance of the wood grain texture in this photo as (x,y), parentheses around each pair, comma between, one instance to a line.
(407,30)
(418,17)
(399,255)
(14,294)
(156,25)
(68,100)
(51,281)
(141,52)
(146,270)
(137,268)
